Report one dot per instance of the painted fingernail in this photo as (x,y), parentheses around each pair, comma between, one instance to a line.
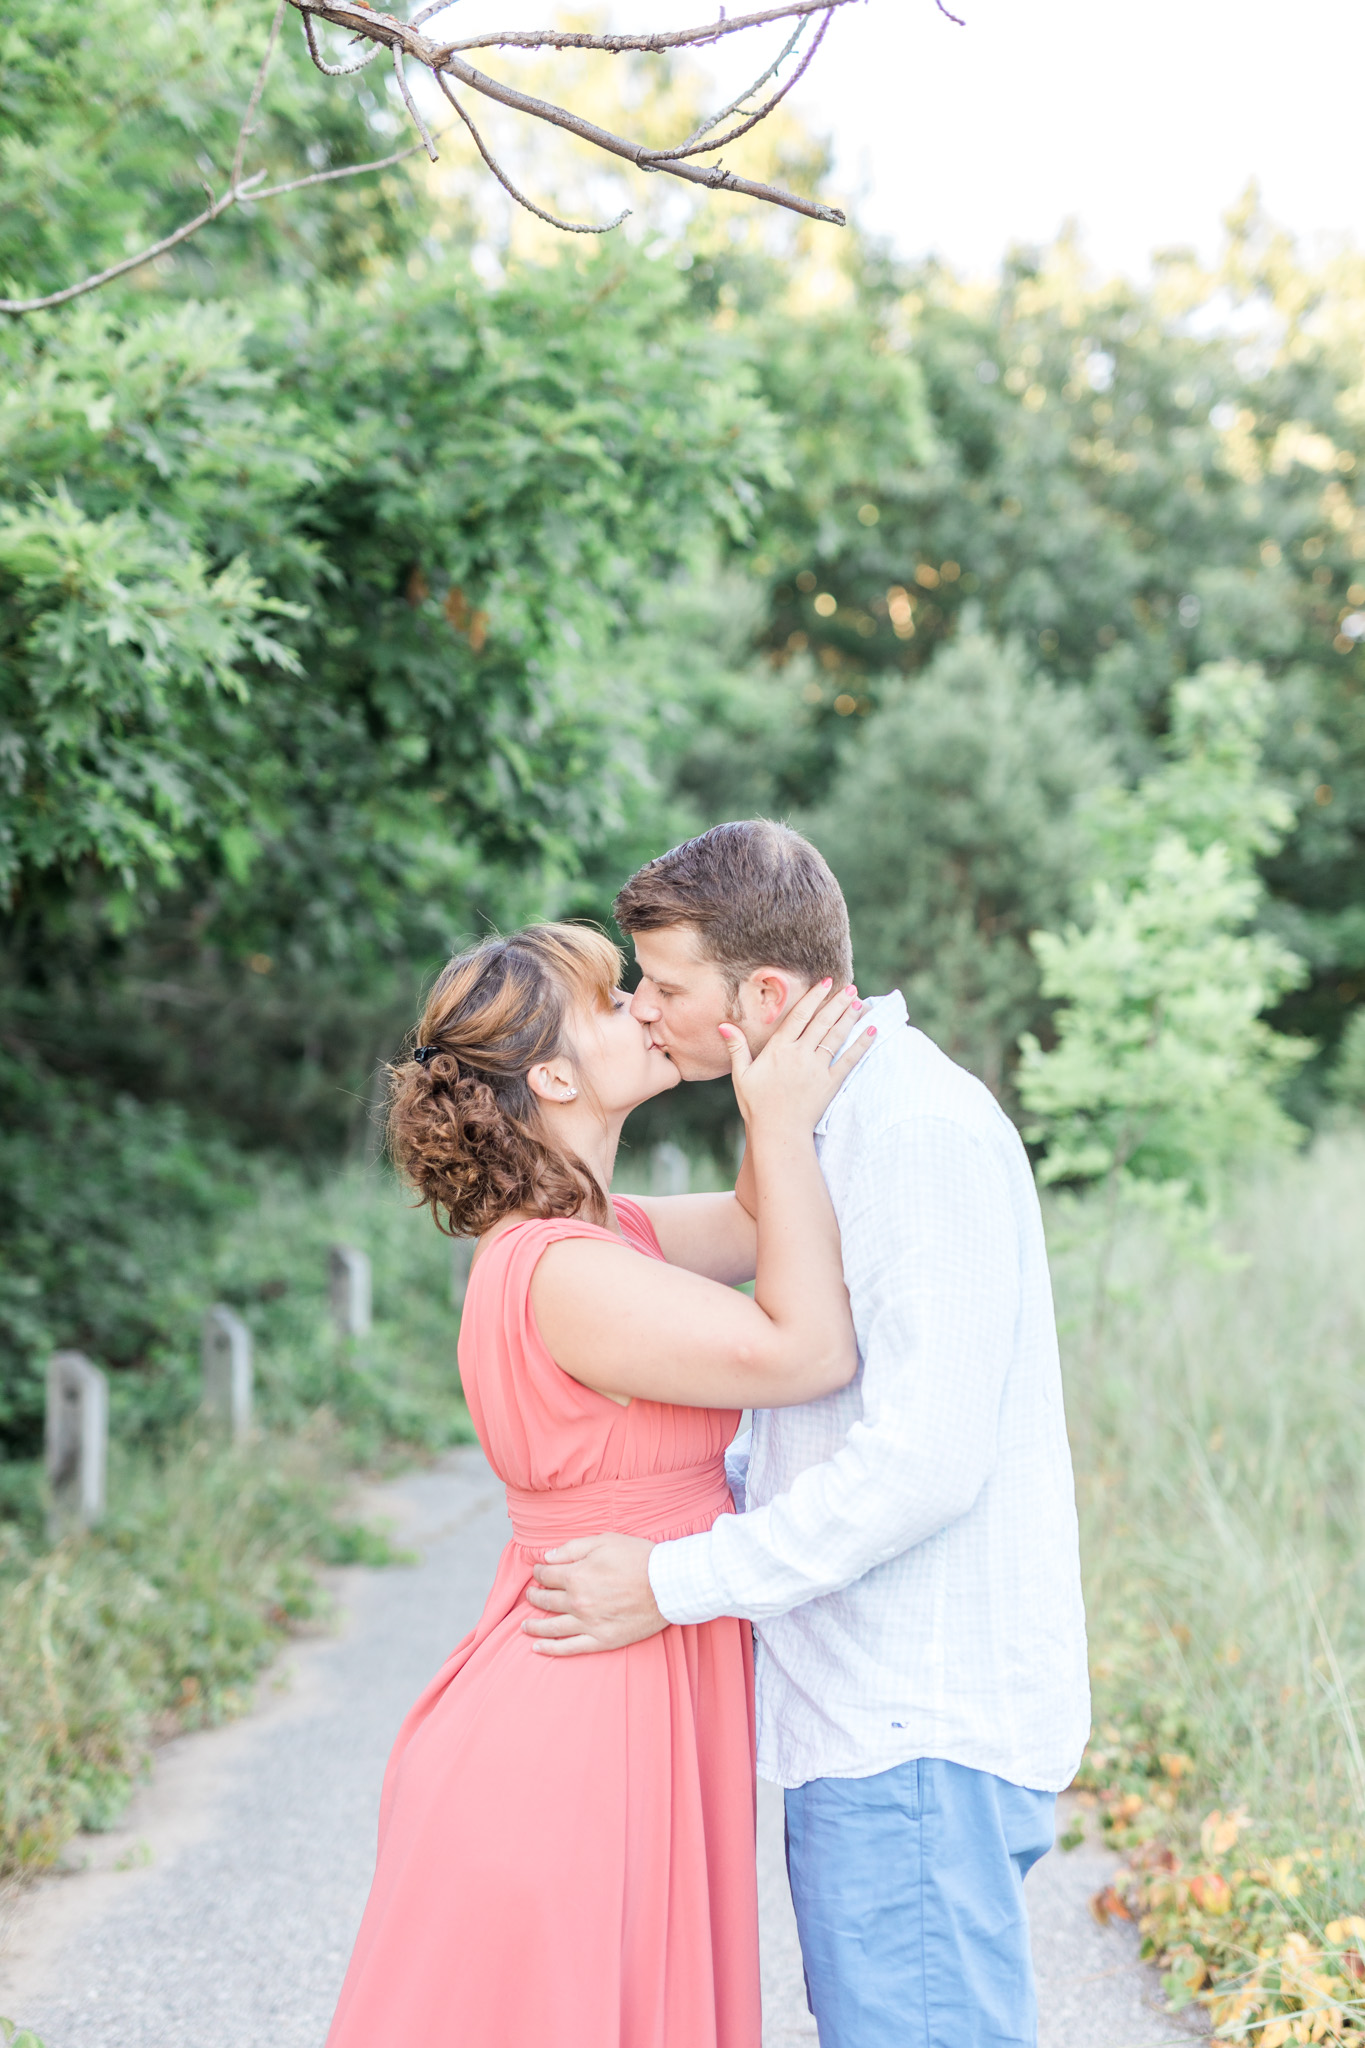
(872,1031)
(828,981)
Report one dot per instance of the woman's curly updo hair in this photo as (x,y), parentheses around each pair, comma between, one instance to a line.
(464,1126)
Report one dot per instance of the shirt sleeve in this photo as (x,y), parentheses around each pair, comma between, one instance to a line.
(737,1468)
(932,1251)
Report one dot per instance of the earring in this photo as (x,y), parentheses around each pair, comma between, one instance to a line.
(570,1095)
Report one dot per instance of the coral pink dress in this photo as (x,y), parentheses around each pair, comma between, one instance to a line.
(566,1845)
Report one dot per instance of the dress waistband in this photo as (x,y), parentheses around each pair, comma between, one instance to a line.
(634,1507)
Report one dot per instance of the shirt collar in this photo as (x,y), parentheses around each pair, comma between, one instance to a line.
(888,1013)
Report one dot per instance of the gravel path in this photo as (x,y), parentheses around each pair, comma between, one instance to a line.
(220,1913)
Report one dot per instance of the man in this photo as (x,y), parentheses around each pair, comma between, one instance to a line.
(909,1553)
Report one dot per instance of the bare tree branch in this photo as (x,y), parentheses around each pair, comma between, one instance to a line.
(570,227)
(651,45)
(446,62)
(343,70)
(713,176)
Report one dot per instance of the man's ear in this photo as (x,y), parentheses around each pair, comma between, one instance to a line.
(765,994)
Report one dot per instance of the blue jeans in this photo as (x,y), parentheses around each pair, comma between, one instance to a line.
(909,1896)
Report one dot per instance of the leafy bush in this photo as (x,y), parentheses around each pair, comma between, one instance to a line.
(108,1215)
(121,1223)
(1164,1070)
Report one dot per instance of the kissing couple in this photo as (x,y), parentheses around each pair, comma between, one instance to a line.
(872,1599)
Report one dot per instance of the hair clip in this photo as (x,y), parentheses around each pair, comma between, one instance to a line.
(423,1053)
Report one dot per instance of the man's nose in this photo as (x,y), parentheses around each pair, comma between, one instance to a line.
(644,1004)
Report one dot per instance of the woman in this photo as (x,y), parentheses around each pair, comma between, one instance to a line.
(566,1846)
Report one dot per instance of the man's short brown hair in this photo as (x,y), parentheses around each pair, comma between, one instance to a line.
(757,895)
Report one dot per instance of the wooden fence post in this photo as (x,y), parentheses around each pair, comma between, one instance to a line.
(350,1291)
(77,1441)
(225,1355)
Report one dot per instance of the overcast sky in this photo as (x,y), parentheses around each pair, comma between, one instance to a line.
(1141,122)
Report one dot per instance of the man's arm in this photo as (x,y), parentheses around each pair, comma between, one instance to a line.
(937,1272)
(713,1235)
(935,1304)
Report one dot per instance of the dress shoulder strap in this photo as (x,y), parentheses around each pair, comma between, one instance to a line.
(636,1226)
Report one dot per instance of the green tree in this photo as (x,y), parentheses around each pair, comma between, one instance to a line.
(1111,475)
(1164,1070)
(316,602)
(304,665)
(952,822)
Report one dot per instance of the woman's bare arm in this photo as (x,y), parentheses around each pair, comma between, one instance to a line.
(631,1327)
(710,1234)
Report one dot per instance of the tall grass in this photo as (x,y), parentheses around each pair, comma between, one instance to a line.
(157,1621)
(1217,1412)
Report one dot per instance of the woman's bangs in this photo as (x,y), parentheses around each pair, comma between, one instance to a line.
(589,965)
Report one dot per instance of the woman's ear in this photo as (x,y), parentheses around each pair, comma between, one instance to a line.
(552,1081)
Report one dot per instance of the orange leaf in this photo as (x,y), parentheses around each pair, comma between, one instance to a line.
(1210,1892)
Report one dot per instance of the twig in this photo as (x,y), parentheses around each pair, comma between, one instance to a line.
(695,147)
(249,117)
(381,163)
(714,120)
(949,12)
(570,227)
(409,102)
(181,234)
(246,191)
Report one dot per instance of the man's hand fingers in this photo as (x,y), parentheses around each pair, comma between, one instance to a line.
(555,1626)
(570,1553)
(553,1603)
(555,1576)
(573,1646)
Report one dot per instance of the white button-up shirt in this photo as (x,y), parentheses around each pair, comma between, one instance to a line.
(909,1553)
